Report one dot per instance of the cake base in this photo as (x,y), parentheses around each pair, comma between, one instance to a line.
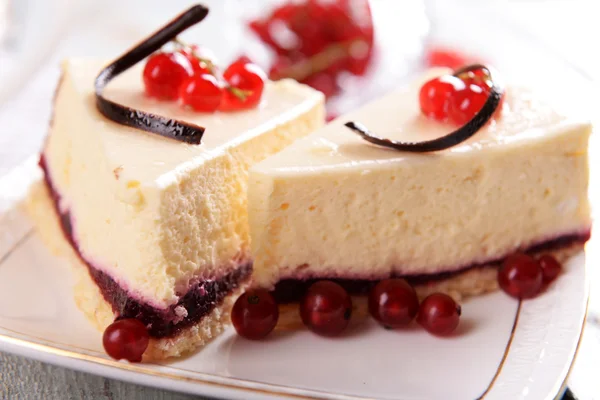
(98,311)
(473,282)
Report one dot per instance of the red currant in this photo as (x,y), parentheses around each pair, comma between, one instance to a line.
(280,65)
(439,314)
(164,73)
(326,308)
(324,83)
(202,93)
(247,82)
(243,59)
(393,302)
(255,314)
(195,54)
(126,339)
(285,12)
(477,77)
(435,95)
(262,29)
(440,57)
(331,116)
(551,268)
(464,104)
(520,276)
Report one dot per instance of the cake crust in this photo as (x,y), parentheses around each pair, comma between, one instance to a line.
(464,285)
(97,310)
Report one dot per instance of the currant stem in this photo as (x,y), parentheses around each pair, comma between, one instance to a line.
(209,64)
(241,94)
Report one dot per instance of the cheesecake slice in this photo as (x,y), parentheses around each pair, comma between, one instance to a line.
(158,229)
(334,206)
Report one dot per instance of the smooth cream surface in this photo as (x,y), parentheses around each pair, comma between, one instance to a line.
(334,205)
(152,212)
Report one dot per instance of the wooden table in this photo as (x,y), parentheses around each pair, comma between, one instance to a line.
(21,378)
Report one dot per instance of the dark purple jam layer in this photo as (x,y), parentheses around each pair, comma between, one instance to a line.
(292,290)
(199,301)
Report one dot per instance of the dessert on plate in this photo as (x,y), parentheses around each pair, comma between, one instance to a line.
(150,195)
(175,184)
(441,213)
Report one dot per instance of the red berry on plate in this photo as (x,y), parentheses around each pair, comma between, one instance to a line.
(326,308)
(439,314)
(247,82)
(467,102)
(435,95)
(551,268)
(520,276)
(126,339)
(202,93)
(255,314)
(164,73)
(393,302)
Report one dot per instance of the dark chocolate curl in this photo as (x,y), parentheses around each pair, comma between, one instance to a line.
(453,138)
(173,129)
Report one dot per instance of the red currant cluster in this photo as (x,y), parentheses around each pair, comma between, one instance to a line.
(524,277)
(190,75)
(456,99)
(326,309)
(316,40)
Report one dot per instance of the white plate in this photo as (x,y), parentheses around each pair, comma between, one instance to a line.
(504,349)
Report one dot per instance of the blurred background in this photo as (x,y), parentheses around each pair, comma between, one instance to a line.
(391,41)
(355,49)
(383,43)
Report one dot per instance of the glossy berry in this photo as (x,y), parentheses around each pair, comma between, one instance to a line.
(277,70)
(324,83)
(441,57)
(243,59)
(393,303)
(520,276)
(439,314)
(478,77)
(164,73)
(255,314)
(126,339)
(196,54)
(326,308)
(247,82)
(202,93)
(435,95)
(465,103)
(551,268)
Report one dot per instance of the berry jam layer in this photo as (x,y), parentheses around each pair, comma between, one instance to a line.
(199,300)
(291,290)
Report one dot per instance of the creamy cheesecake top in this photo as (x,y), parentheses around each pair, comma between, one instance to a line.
(397,116)
(152,159)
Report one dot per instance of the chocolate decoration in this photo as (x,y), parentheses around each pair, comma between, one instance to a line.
(173,129)
(452,139)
